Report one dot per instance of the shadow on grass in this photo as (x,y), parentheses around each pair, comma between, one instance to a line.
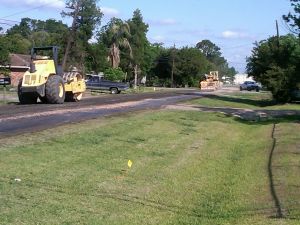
(246,101)
(275,196)
(247,116)
(282,210)
(263,117)
(271,120)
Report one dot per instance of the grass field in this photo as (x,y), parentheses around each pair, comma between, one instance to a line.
(249,100)
(188,168)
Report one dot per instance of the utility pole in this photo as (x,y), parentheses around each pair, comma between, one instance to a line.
(277,30)
(173,65)
(135,76)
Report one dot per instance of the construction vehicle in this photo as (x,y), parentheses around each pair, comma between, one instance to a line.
(46,81)
(211,82)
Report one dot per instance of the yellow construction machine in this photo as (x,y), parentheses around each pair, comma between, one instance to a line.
(47,82)
(211,82)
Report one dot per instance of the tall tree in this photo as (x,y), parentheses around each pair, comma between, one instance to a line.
(138,40)
(17,44)
(190,66)
(214,55)
(115,35)
(152,53)
(163,68)
(120,36)
(293,18)
(277,67)
(209,49)
(40,33)
(12,44)
(96,60)
(86,18)
(23,29)
(3,50)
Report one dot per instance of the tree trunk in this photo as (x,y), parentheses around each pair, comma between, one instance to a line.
(135,76)
(115,56)
(71,35)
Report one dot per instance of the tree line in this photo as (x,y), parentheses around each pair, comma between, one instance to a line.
(275,62)
(119,48)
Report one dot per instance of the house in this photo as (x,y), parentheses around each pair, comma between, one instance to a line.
(18,65)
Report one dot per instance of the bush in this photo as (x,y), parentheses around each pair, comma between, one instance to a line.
(114,74)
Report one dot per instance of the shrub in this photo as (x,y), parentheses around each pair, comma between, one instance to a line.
(114,74)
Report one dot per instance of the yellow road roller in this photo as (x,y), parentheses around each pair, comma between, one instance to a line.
(45,80)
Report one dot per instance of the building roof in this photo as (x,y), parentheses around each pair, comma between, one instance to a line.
(19,60)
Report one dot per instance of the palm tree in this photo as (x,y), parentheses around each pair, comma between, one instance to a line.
(120,33)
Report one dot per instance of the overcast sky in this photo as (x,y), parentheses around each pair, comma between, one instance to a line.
(234,25)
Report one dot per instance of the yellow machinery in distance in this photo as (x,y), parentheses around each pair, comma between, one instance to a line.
(211,82)
(45,81)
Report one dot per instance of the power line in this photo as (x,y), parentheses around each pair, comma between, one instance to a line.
(284,25)
(14,21)
(277,33)
(28,10)
(9,23)
(6,24)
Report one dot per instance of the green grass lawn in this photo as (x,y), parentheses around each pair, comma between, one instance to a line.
(249,100)
(143,89)
(188,168)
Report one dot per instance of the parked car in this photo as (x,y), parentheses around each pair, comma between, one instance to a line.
(98,83)
(250,86)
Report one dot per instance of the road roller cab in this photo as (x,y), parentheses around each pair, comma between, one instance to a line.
(46,81)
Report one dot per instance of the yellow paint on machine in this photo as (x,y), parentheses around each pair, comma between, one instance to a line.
(211,81)
(45,82)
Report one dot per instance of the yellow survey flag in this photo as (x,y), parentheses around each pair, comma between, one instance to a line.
(129,163)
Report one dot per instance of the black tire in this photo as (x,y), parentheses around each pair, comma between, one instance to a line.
(71,97)
(43,99)
(26,98)
(55,90)
(257,89)
(114,91)
(241,88)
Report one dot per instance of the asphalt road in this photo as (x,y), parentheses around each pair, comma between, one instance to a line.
(18,119)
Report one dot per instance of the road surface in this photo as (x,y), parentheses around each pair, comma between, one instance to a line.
(18,119)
